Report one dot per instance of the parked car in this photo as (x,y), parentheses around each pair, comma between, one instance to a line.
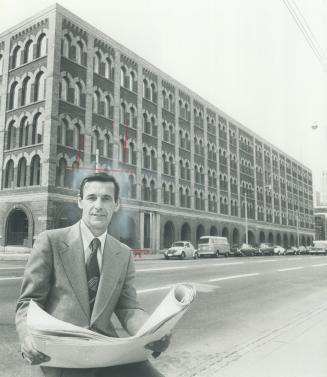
(235,250)
(266,249)
(213,246)
(292,251)
(302,250)
(248,250)
(181,250)
(279,250)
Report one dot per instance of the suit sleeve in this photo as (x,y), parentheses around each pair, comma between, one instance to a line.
(36,282)
(128,310)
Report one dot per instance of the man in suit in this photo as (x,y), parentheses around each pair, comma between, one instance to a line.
(82,275)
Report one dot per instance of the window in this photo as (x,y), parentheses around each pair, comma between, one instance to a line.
(77,137)
(107,107)
(78,94)
(63,90)
(131,81)
(122,76)
(61,179)
(39,88)
(66,43)
(15,57)
(79,53)
(96,102)
(95,141)
(28,52)
(35,171)
(11,136)
(41,49)
(21,175)
(9,174)
(108,68)
(13,96)
(1,64)
(97,62)
(23,129)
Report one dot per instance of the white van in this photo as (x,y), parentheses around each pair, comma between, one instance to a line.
(214,246)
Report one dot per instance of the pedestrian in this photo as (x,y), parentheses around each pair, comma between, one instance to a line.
(82,275)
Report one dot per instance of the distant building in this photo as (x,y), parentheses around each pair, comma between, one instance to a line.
(320,215)
(186,168)
(323,189)
(318,201)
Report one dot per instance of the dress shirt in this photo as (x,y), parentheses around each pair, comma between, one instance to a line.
(87,238)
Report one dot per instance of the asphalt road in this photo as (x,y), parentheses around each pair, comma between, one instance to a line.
(252,299)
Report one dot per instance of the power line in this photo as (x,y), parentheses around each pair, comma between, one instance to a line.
(306,32)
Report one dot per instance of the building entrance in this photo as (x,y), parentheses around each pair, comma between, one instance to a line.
(17,228)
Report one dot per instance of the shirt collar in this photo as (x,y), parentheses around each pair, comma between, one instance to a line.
(87,237)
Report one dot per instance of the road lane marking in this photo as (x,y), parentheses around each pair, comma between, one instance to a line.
(161,269)
(265,261)
(235,277)
(294,258)
(319,265)
(154,289)
(290,269)
(224,264)
(12,268)
(12,278)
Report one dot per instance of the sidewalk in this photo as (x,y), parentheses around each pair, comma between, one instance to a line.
(297,349)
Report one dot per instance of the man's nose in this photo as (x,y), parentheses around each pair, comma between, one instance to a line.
(98,202)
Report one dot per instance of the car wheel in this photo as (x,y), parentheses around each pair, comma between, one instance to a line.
(196,256)
(166,257)
(182,256)
(227,255)
(217,254)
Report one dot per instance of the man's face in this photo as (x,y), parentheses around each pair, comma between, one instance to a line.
(98,205)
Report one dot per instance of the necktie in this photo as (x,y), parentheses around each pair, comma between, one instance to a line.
(93,272)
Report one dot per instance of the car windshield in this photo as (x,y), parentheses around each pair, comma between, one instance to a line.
(178,244)
(203,240)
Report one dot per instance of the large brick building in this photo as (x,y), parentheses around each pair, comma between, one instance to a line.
(186,168)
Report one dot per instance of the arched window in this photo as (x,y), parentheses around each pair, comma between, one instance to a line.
(77,94)
(11,136)
(79,52)
(171,103)
(97,62)
(132,190)
(132,117)
(39,88)
(95,141)
(107,107)
(122,76)
(77,137)
(107,146)
(1,64)
(66,43)
(15,58)
(23,128)
(144,190)
(61,178)
(153,191)
(63,90)
(9,174)
(131,81)
(21,175)
(35,171)
(64,131)
(145,89)
(96,102)
(145,158)
(122,113)
(153,93)
(28,51)
(37,130)
(131,154)
(13,96)
(108,68)
(153,160)
(41,49)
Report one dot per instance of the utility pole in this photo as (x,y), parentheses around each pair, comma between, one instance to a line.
(297,229)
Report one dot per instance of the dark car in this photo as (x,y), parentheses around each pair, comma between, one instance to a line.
(292,251)
(248,250)
(266,249)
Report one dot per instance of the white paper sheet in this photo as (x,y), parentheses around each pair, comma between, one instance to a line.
(71,346)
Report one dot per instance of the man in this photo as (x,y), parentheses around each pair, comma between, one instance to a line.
(82,275)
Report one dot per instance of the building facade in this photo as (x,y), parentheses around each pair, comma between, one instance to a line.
(73,100)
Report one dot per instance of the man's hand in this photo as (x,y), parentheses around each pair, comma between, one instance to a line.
(31,354)
(159,346)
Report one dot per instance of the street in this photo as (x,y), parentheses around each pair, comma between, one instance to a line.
(254,300)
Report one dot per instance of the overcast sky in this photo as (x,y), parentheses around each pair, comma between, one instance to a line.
(248,58)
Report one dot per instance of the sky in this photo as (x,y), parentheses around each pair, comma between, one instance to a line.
(248,58)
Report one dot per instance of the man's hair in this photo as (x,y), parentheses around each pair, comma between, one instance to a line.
(100,177)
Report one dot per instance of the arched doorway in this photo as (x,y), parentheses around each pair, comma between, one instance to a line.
(251,237)
(262,237)
(199,232)
(123,228)
(292,240)
(225,232)
(213,231)
(67,216)
(303,241)
(271,238)
(186,232)
(279,239)
(236,237)
(285,241)
(168,234)
(17,228)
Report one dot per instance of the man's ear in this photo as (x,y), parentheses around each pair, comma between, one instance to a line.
(117,205)
(79,200)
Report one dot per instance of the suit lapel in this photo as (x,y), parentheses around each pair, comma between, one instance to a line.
(72,255)
(112,262)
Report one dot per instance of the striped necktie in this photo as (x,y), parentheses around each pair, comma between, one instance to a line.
(93,271)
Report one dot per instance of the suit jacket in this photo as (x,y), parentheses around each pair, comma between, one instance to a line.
(55,278)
